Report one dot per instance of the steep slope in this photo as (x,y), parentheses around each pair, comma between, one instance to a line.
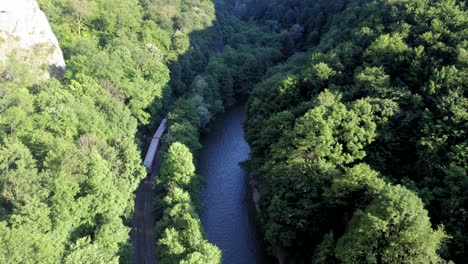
(378,102)
(26,36)
(358,140)
(69,155)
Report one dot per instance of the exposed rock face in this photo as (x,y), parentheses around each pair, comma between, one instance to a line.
(25,33)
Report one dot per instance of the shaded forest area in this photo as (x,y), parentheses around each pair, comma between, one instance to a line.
(360,144)
(357,114)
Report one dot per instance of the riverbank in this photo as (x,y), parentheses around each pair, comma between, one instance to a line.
(279,253)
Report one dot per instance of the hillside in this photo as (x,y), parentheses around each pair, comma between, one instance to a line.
(356,120)
(360,143)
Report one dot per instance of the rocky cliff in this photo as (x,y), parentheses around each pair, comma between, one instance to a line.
(25,36)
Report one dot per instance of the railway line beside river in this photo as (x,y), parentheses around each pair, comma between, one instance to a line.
(143,241)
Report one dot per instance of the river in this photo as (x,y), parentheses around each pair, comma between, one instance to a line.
(228,214)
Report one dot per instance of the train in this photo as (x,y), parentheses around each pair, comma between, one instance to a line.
(154,146)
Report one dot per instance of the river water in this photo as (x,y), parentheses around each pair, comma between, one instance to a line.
(228,214)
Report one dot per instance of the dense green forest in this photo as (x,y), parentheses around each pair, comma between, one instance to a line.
(71,146)
(357,122)
(359,141)
(79,136)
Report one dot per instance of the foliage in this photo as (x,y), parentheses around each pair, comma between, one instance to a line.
(393,228)
(204,81)
(69,160)
(382,83)
(68,170)
(181,238)
(367,113)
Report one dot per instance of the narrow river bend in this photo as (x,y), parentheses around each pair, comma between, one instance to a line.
(228,215)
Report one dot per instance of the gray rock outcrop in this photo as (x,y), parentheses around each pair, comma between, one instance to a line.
(26,35)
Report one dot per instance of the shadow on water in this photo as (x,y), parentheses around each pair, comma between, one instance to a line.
(228,214)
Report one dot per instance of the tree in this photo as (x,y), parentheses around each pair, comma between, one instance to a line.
(287,44)
(401,70)
(389,51)
(394,228)
(360,178)
(332,134)
(324,252)
(206,253)
(177,167)
(84,251)
(82,10)
(19,182)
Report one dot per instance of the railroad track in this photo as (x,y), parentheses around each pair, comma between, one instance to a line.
(143,240)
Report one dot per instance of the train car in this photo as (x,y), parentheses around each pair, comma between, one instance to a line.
(154,146)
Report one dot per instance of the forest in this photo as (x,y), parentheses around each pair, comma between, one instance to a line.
(71,146)
(359,143)
(357,122)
